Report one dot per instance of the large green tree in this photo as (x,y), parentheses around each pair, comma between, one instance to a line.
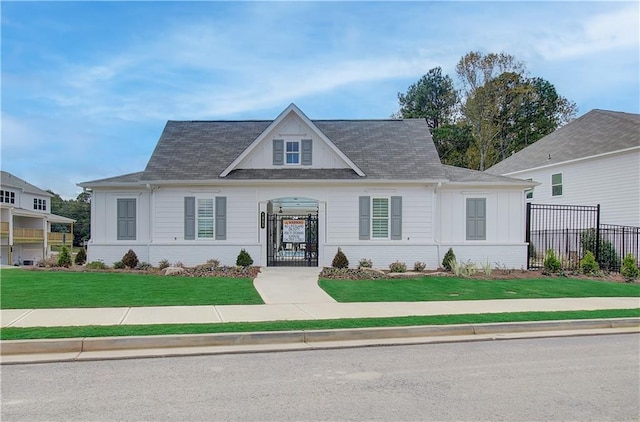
(433,98)
(78,209)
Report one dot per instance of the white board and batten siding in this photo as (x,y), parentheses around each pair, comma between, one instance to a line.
(611,180)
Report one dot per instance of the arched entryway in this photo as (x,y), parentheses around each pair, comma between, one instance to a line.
(292,232)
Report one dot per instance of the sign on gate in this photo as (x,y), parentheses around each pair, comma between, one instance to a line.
(293,231)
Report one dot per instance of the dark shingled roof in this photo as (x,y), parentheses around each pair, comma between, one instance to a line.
(462,175)
(9,180)
(596,132)
(382,149)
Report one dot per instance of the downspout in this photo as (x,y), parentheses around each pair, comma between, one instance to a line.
(436,220)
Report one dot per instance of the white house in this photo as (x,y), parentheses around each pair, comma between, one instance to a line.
(594,159)
(25,222)
(291,191)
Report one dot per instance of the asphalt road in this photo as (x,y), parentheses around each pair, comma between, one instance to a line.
(576,378)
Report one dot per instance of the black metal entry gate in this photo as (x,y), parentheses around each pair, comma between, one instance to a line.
(292,240)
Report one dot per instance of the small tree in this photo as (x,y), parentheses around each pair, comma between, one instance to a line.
(81,257)
(244,259)
(629,270)
(588,264)
(340,260)
(64,259)
(551,262)
(449,257)
(130,259)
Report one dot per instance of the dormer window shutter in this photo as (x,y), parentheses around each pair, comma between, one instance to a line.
(307,150)
(278,152)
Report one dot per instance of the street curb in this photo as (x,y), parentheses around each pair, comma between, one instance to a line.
(13,348)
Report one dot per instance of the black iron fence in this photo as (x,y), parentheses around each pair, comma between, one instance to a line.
(572,230)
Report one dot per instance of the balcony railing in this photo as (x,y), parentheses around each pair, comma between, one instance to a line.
(25,235)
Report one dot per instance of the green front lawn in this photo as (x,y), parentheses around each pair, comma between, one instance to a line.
(451,288)
(14,333)
(21,289)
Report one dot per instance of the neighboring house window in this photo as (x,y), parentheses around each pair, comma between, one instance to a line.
(380,218)
(476,219)
(293,153)
(529,192)
(7,197)
(556,184)
(205,218)
(39,204)
(126,219)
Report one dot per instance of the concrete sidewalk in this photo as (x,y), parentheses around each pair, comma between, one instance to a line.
(294,311)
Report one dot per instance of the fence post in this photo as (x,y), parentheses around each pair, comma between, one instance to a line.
(527,235)
(597,251)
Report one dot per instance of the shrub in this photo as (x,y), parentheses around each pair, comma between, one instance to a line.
(214,263)
(119,265)
(487,269)
(551,262)
(449,257)
(398,267)
(340,260)
(130,259)
(48,262)
(164,263)
(64,259)
(244,259)
(607,255)
(466,269)
(143,266)
(419,266)
(629,270)
(365,263)
(96,265)
(532,250)
(588,264)
(81,257)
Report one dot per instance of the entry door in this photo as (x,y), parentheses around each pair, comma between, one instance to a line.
(292,240)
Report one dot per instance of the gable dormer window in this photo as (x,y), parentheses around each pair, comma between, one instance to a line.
(293,153)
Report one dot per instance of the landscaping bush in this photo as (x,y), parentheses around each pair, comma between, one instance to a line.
(588,264)
(607,255)
(143,266)
(119,265)
(164,263)
(130,259)
(48,262)
(96,265)
(64,259)
(81,257)
(340,260)
(419,266)
(629,270)
(365,263)
(449,257)
(244,259)
(466,269)
(551,262)
(398,267)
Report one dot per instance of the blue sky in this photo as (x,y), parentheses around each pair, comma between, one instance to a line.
(87,87)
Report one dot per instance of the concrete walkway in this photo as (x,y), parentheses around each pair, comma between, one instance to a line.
(290,285)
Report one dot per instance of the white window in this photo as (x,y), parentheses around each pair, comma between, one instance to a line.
(205,218)
(39,204)
(7,197)
(380,218)
(292,153)
(556,184)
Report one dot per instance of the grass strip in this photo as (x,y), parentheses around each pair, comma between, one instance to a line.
(51,289)
(452,288)
(13,333)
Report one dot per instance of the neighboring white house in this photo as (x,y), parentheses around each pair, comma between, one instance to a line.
(594,159)
(25,222)
(291,191)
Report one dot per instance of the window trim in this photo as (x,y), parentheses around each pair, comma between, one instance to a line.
(297,153)
(476,219)
(198,218)
(387,218)
(39,204)
(561,184)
